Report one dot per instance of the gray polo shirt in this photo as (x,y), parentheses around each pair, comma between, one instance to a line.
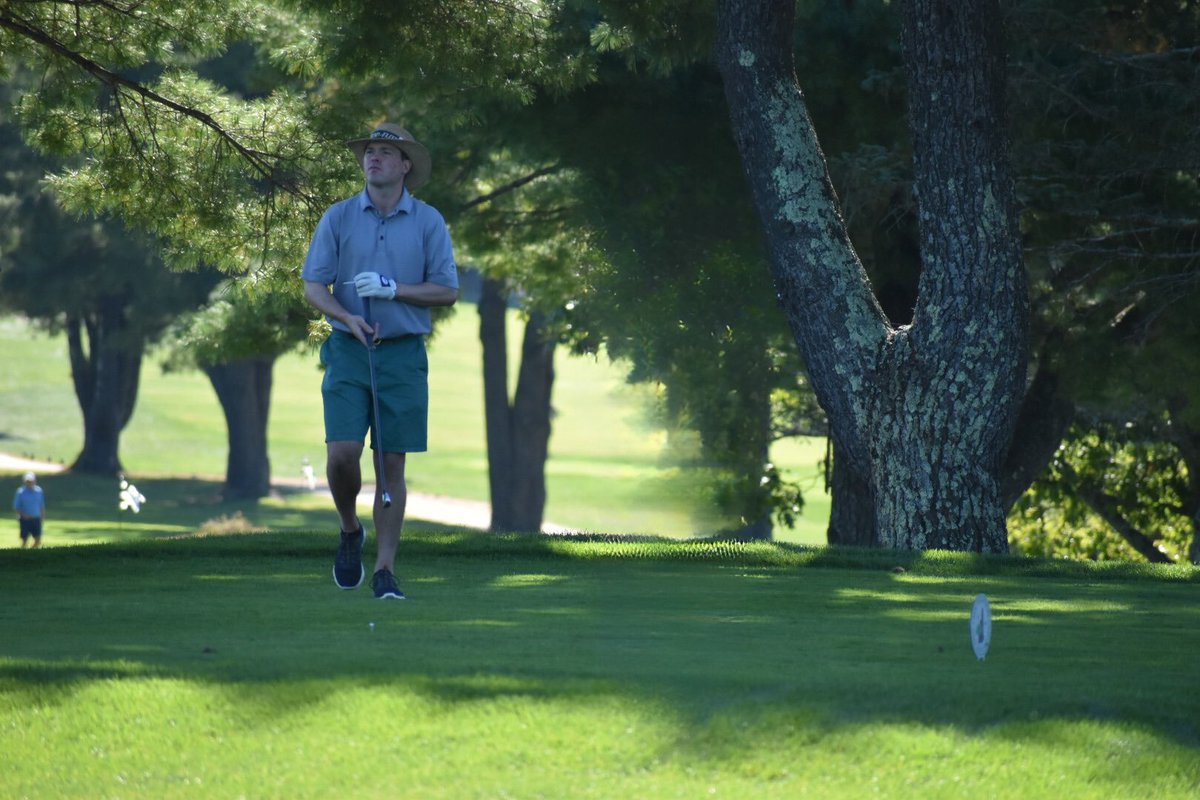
(410,245)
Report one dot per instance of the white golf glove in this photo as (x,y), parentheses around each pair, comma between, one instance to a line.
(372,284)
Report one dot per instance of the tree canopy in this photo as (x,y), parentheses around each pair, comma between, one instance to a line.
(566,133)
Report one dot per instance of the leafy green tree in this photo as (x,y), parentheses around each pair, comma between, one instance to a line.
(525,253)
(235,340)
(221,180)
(232,179)
(687,297)
(206,146)
(1105,124)
(425,67)
(1127,478)
(643,280)
(100,284)
(675,294)
(561,59)
(238,181)
(1112,491)
(1108,104)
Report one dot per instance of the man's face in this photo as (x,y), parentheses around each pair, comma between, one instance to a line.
(385,165)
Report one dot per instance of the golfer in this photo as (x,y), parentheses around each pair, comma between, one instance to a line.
(377,263)
(30,505)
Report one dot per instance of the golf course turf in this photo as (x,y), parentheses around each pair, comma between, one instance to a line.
(590,666)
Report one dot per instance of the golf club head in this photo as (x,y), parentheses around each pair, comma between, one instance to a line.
(387,500)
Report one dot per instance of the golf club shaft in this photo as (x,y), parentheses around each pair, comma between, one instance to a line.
(381,471)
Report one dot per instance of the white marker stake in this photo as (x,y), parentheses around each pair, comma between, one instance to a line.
(981,626)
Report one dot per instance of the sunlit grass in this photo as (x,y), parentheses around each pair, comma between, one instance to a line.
(173,653)
(576,667)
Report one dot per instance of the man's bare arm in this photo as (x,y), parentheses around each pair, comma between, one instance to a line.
(318,296)
(426,294)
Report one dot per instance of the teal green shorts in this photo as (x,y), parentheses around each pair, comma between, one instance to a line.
(402,375)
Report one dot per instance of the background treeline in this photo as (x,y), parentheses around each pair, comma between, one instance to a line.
(585,156)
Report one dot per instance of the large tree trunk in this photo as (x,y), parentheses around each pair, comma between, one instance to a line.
(852,509)
(1046,414)
(493,336)
(105,371)
(924,411)
(243,388)
(531,427)
(518,433)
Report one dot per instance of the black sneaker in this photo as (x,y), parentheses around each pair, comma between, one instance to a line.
(348,569)
(384,584)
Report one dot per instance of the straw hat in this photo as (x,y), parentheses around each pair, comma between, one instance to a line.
(390,133)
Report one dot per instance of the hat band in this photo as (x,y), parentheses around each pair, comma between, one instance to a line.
(381,134)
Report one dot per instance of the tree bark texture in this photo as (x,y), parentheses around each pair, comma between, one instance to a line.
(518,433)
(105,370)
(1042,422)
(243,388)
(1045,415)
(531,424)
(493,337)
(924,412)
(852,508)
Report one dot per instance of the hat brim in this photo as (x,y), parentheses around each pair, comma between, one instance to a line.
(422,164)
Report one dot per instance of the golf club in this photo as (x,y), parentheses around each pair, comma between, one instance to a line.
(386,496)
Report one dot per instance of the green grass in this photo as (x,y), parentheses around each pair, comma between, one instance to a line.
(227,666)
(175,654)
(607,469)
(85,511)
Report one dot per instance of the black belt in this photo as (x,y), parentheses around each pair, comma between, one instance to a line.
(386,340)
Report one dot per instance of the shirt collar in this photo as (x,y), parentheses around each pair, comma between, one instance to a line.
(405,204)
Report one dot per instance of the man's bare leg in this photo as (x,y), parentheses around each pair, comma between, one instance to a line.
(344,474)
(345,480)
(390,521)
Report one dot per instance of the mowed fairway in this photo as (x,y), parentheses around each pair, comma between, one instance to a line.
(174,654)
(608,469)
(229,666)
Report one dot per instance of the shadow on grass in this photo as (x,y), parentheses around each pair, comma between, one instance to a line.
(705,628)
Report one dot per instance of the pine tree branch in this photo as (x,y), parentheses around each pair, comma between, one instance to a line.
(258,161)
(511,186)
(1106,507)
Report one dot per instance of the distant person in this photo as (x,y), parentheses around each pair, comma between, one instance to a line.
(377,263)
(30,505)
